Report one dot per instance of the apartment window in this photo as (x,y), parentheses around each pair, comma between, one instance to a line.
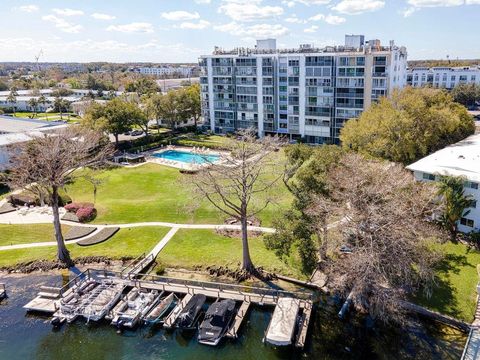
(474,204)
(452,78)
(427,176)
(473,78)
(467,222)
(471,185)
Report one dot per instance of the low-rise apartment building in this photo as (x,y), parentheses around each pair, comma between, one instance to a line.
(460,159)
(306,93)
(443,77)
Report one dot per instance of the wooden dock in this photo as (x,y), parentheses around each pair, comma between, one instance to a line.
(232,333)
(46,300)
(304,323)
(172,317)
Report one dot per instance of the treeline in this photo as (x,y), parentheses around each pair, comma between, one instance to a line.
(438,63)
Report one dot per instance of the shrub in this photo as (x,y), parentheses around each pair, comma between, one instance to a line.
(86,214)
(159,268)
(75,206)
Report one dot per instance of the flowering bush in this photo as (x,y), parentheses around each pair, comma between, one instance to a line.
(85,214)
(74,206)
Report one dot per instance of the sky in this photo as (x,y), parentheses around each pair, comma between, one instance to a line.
(182,30)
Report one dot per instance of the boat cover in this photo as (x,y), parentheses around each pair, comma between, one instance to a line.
(282,325)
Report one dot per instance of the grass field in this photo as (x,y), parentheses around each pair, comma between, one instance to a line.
(24,234)
(156,193)
(189,249)
(127,242)
(455,292)
(71,117)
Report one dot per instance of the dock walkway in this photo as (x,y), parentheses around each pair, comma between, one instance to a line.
(472,347)
(172,317)
(232,333)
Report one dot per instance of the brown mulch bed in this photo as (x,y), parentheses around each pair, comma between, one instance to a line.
(7,208)
(70,217)
(101,236)
(77,232)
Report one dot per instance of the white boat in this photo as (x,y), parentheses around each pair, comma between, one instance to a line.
(135,308)
(284,319)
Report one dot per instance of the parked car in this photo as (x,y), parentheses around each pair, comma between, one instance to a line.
(136,133)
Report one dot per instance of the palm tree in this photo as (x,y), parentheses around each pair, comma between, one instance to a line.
(451,191)
(44,101)
(12,99)
(33,103)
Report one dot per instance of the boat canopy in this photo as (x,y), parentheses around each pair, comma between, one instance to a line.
(282,326)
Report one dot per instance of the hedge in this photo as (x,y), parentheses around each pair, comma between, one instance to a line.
(101,236)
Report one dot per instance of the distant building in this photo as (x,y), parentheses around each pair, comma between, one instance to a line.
(18,130)
(24,96)
(304,93)
(443,77)
(460,159)
(166,71)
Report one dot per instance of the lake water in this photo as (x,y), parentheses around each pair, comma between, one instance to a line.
(27,336)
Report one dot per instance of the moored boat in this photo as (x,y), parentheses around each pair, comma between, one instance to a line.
(155,314)
(191,312)
(218,319)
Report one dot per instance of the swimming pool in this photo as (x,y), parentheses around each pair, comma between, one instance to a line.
(186,157)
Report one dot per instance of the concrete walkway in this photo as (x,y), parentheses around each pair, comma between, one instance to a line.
(174,227)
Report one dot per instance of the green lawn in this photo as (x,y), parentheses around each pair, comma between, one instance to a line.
(24,234)
(455,293)
(47,116)
(127,242)
(189,249)
(155,193)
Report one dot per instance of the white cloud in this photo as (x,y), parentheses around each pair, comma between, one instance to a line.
(355,7)
(241,10)
(329,19)
(256,31)
(295,20)
(28,8)
(180,15)
(68,12)
(100,16)
(435,3)
(203,1)
(312,2)
(311,29)
(135,27)
(202,24)
(62,24)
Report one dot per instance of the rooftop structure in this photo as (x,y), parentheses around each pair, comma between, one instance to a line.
(306,92)
(460,159)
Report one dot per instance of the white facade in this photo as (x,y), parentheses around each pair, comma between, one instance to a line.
(167,71)
(460,159)
(443,77)
(305,93)
(24,96)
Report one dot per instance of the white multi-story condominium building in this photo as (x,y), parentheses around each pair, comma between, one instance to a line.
(443,77)
(306,93)
(460,159)
(167,71)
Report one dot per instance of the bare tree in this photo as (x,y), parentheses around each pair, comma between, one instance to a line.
(50,161)
(238,185)
(382,250)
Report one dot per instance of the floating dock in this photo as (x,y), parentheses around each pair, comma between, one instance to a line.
(232,333)
(46,301)
(173,316)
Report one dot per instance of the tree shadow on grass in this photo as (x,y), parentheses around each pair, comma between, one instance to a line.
(443,298)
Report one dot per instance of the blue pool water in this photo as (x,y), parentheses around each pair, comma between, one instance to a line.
(186,157)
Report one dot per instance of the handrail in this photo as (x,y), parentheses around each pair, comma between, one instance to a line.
(190,284)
